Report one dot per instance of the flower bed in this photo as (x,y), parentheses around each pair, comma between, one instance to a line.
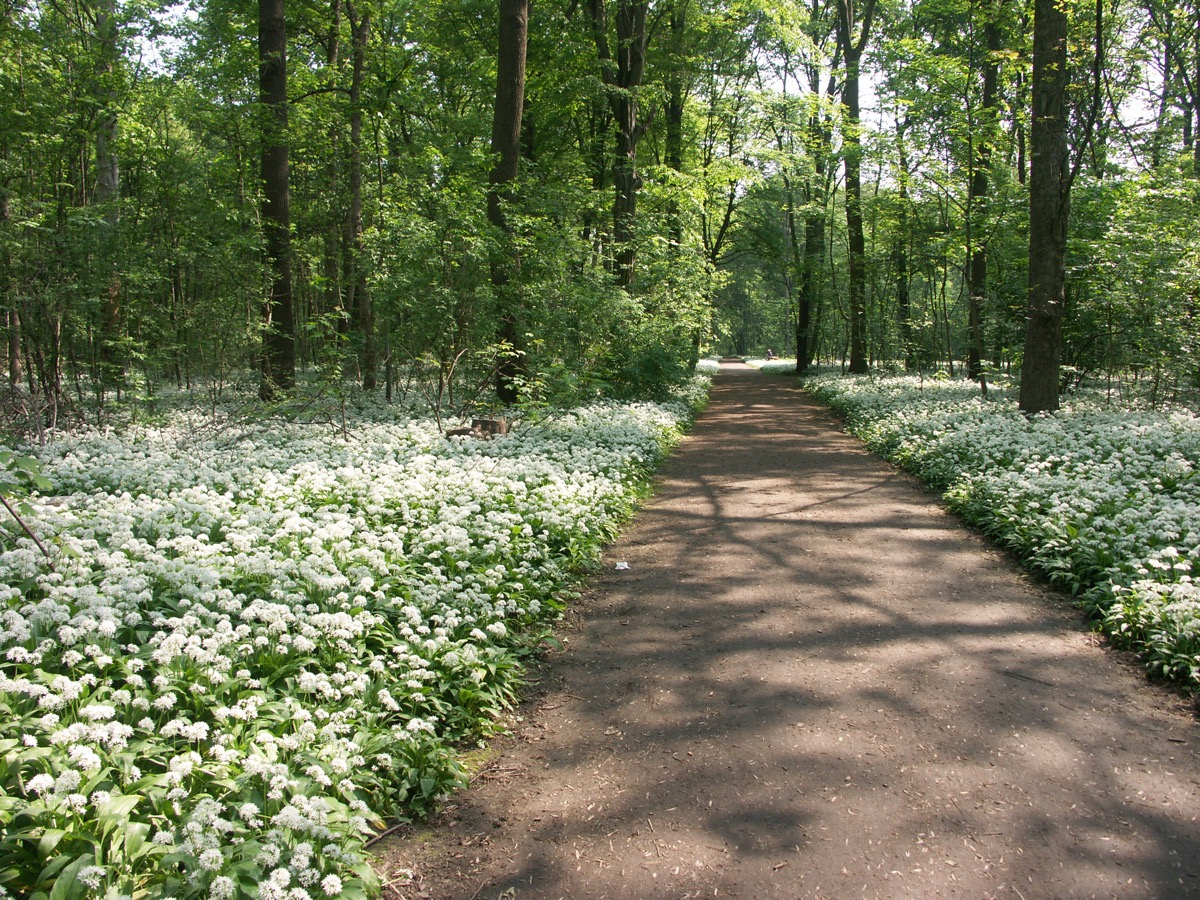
(251,651)
(1105,503)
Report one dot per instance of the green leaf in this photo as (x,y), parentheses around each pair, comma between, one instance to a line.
(49,840)
(68,886)
(135,838)
(118,807)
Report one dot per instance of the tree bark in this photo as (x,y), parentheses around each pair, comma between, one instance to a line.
(506,148)
(1049,208)
(278,344)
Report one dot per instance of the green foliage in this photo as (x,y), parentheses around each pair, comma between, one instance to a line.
(21,475)
(1135,287)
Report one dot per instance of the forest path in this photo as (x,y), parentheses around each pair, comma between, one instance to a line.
(812,681)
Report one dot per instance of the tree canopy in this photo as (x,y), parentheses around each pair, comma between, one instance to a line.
(222,193)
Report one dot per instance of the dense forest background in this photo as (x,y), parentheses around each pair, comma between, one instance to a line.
(218,195)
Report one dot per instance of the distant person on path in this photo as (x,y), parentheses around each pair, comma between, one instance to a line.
(770,353)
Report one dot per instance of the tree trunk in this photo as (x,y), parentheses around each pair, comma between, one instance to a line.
(900,258)
(1049,207)
(627,182)
(506,148)
(108,181)
(623,75)
(855,240)
(8,297)
(674,115)
(365,314)
(278,343)
(1164,101)
(807,313)
(852,50)
(976,202)
(334,262)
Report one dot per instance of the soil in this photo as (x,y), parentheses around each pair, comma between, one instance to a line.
(812,681)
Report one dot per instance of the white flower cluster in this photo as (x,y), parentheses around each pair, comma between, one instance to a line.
(253,653)
(775,366)
(1104,502)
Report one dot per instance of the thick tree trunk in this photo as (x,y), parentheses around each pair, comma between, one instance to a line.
(278,346)
(623,73)
(627,182)
(1049,207)
(506,148)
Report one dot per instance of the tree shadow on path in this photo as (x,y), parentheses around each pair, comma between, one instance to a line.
(811,681)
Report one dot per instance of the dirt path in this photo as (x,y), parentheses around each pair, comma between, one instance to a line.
(813,682)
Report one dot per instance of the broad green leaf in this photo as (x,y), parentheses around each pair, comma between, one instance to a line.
(49,840)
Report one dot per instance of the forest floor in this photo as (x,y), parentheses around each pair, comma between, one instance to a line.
(812,681)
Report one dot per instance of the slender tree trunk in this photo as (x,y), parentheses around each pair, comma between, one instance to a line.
(278,345)
(506,148)
(1187,126)
(816,194)
(14,350)
(1049,207)
(1164,100)
(333,263)
(674,114)
(855,240)
(853,46)
(676,100)
(976,202)
(900,258)
(107,195)
(8,297)
(818,140)
(368,357)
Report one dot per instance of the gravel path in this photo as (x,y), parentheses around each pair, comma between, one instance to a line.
(811,681)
